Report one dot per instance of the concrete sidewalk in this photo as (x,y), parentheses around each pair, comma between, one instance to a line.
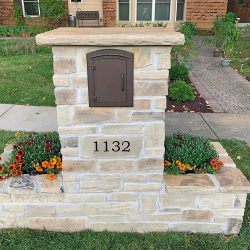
(213,125)
(27,118)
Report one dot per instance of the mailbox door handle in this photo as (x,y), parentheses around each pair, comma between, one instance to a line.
(123,81)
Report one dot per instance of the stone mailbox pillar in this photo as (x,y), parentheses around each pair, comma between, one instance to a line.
(113,154)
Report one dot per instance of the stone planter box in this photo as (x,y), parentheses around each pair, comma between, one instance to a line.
(190,203)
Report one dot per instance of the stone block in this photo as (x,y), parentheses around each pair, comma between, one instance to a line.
(155,135)
(150,164)
(83,97)
(78,81)
(144,88)
(107,218)
(86,115)
(111,208)
(123,114)
(69,152)
(134,177)
(233,226)
(130,227)
(70,187)
(61,80)
(148,203)
(173,200)
(227,160)
(100,183)
(122,129)
(69,176)
(148,116)
(210,228)
(163,61)
(142,187)
(155,177)
(37,198)
(48,186)
(142,104)
(219,200)
(7,219)
(142,57)
(197,215)
(126,197)
(66,96)
(151,75)
(14,208)
(62,224)
(240,200)
(76,130)
(40,210)
(115,166)
(5,198)
(160,103)
(82,198)
(82,166)
(154,152)
(219,148)
(100,146)
(64,65)
(62,115)
(69,141)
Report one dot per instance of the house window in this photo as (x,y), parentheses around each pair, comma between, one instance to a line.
(76,1)
(31,7)
(124,10)
(241,1)
(180,10)
(153,10)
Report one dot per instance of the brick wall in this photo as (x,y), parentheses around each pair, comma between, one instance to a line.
(6,15)
(109,12)
(6,12)
(204,12)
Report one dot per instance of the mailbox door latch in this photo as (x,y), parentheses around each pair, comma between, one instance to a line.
(95,98)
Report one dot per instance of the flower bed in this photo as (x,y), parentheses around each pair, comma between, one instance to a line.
(33,154)
(190,154)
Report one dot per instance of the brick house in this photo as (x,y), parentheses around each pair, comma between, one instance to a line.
(113,12)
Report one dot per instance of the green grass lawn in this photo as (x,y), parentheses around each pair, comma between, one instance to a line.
(241,56)
(31,239)
(26,78)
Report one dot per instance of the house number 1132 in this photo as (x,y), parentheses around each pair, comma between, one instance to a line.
(115,147)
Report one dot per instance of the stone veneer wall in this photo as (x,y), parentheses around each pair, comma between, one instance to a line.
(109,12)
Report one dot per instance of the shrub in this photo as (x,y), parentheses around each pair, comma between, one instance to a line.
(190,154)
(180,91)
(18,14)
(34,149)
(178,72)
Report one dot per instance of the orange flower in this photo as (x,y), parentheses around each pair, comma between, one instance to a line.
(215,167)
(50,166)
(182,167)
(2,177)
(39,169)
(178,162)
(213,162)
(18,168)
(53,161)
(18,158)
(11,167)
(15,162)
(1,168)
(51,176)
(45,164)
(58,159)
(221,164)
(15,173)
(167,163)
(59,165)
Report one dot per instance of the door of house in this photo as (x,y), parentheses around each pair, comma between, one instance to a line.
(241,8)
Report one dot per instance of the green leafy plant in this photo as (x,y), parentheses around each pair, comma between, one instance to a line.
(180,91)
(53,10)
(18,15)
(185,153)
(188,49)
(178,72)
(226,33)
(36,148)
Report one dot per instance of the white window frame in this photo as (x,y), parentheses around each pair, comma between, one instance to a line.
(184,14)
(32,15)
(117,13)
(153,13)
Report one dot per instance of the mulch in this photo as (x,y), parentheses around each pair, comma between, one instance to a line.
(199,105)
(248,78)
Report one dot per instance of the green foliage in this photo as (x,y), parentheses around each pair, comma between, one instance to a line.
(188,49)
(8,31)
(192,151)
(55,10)
(180,91)
(18,14)
(178,72)
(226,33)
(36,148)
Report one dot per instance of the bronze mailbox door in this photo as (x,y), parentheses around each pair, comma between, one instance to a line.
(110,78)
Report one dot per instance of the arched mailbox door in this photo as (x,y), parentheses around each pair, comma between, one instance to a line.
(110,78)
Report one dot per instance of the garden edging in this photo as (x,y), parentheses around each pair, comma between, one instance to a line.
(195,203)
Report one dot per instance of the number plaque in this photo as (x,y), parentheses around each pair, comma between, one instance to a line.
(110,146)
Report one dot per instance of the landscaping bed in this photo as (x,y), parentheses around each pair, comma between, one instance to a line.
(198,105)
